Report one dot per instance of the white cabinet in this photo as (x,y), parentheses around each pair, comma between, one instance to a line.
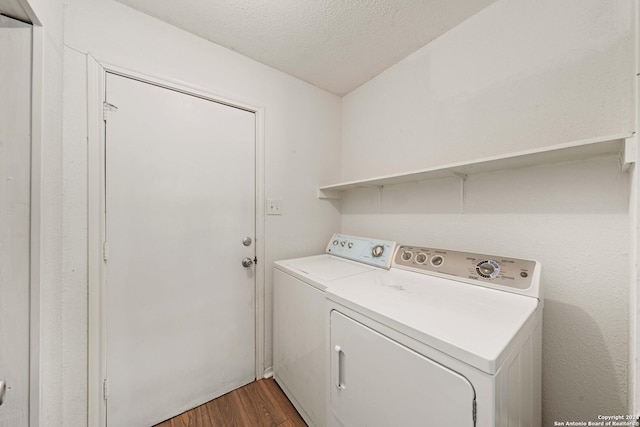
(375,381)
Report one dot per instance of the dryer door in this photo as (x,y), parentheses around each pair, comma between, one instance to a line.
(376,381)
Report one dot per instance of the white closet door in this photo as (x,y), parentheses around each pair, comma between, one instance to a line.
(180,195)
(15,173)
(377,382)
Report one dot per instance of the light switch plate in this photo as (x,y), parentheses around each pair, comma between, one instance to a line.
(274,207)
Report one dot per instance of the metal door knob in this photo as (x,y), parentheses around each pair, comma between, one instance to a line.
(247,262)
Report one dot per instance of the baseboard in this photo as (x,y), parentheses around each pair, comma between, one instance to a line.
(268,373)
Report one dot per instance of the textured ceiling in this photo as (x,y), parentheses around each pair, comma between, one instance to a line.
(336,45)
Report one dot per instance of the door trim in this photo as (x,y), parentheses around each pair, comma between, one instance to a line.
(36,99)
(37,112)
(96,76)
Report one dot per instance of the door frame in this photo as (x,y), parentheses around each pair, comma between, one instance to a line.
(97,70)
(35,229)
(36,100)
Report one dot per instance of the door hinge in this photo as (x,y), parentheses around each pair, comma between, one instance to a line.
(106,107)
(105,388)
(105,251)
(475,412)
(255,260)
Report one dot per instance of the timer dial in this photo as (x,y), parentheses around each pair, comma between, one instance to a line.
(377,251)
(437,261)
(421,258)
(488,268)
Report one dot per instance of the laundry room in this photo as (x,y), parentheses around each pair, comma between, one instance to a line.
(510,132)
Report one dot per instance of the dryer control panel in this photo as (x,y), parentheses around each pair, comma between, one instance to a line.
(374,252)
(510,274)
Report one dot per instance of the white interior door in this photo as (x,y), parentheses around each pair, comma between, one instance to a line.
(180,196)
(377,382)
(15,171)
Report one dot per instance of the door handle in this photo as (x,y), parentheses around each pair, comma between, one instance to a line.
(247,262)
(339,363)
(3,390)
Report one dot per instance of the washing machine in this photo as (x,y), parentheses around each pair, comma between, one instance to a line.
(299,346)
(443,338)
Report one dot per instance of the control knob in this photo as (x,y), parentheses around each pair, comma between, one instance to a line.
(488,269)
(377,251)
(421,258)
(437,261)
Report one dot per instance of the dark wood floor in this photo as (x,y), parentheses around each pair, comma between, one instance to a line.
(258,404)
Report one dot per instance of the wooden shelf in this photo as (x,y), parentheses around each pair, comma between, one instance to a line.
(622,145)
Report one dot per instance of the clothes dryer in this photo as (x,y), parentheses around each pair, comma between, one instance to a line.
(299,346)
(442,338)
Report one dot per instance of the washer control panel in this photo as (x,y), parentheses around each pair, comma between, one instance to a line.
(509,272)
(362,249)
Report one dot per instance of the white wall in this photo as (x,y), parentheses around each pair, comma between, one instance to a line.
(302,134)
(74,256)
(518,75)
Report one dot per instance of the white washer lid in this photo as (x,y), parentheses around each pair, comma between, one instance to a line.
(321,269)
(473,324)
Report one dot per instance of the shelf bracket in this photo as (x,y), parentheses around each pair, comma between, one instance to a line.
(329,194)
(463,179)
(629,154)
(461,176)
